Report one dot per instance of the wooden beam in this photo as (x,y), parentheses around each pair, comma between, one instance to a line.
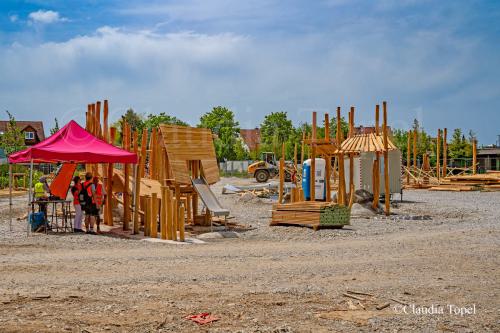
(154,216)
(313,157)
(328,160)
(438,155)
(295,164)
(445,151)
(163,214)
(109,183)
(352,122)
(386,163)
(377,116)
(147,216)
(152,155)
(408,157)
(282,174)
(415,149)
(302,146)
(126,173)
(98,129)
(351,173)
(341,187)
(474,156)
(181,224)
(169,215)
(105,115)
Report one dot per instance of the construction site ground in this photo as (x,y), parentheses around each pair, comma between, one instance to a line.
(439,250)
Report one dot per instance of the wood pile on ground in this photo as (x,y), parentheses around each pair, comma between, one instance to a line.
(314,214)
(478,182)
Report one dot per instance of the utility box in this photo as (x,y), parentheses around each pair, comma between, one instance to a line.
(363,175)
(320,186)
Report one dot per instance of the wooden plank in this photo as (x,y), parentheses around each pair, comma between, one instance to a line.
(154,216)
(386,162)
(445,151)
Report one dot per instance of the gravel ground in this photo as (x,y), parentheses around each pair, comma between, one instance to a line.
(270,279)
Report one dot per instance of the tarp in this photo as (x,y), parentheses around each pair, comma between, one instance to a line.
(60,185)
(73,144)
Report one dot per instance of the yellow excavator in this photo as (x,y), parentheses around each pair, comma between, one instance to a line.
(267,168)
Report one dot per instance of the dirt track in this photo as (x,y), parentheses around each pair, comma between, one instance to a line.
(272,279)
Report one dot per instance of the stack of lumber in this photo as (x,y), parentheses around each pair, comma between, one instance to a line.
(311,213)
(487,182)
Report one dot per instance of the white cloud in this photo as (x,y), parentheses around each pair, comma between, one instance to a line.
(186,73)
(46,17)
(13,18)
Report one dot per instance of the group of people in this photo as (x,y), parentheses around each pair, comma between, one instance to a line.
(88,199)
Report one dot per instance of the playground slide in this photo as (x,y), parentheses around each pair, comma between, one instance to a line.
(208,197)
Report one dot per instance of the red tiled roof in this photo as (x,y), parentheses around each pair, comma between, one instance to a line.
(251,137)
(36,125)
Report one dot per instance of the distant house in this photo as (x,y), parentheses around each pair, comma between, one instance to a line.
(370,129)
(32,130)
(489,158)
(251,137)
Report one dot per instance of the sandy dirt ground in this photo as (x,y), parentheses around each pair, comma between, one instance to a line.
(438,252)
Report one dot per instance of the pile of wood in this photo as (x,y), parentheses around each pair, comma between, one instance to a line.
(478,182)
(311,213)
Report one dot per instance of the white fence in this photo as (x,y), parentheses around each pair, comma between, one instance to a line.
(233,167)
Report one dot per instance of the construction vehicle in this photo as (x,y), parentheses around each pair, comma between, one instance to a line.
(267,168)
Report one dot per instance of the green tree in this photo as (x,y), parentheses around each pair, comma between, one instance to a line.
(241,150)
(154,120)
(276,129)
(54,129)
(135,120)
(459,147)
(12,139)
(221,122)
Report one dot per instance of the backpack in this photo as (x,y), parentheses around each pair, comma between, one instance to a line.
(84,197)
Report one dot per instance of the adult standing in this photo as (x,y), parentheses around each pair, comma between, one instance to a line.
(88,200)
(75,191)
(100,199)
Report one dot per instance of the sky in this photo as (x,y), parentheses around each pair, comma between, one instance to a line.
(436,61)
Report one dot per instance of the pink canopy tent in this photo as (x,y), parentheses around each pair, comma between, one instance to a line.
(73,144)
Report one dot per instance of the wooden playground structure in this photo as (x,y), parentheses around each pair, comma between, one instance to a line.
(442,177)
(161,194)
(322,213)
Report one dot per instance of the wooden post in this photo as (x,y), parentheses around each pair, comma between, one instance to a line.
(341,188)
(98,130)
(152,155)
(438,155)
(351,174)
(105,121)
(174,218)
(312,189)
(352,122)
(376,182)
(295,157)
(188,208)
(109,184)
(177,206)
(282,174)
(126,196)
(415,149)
(147,216)
(170,222)
(474,156)
(377,116)
(163,214)
(408,158)
(328,160)
(386,163)
(302,148)
(137,187)
(154,216)
(181,224)
(445,152)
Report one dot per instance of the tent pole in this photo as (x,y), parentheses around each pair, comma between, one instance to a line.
(30,199)
(10,197)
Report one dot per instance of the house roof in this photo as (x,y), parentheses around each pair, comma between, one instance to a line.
(251,137)
(489,151)
(21,124)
